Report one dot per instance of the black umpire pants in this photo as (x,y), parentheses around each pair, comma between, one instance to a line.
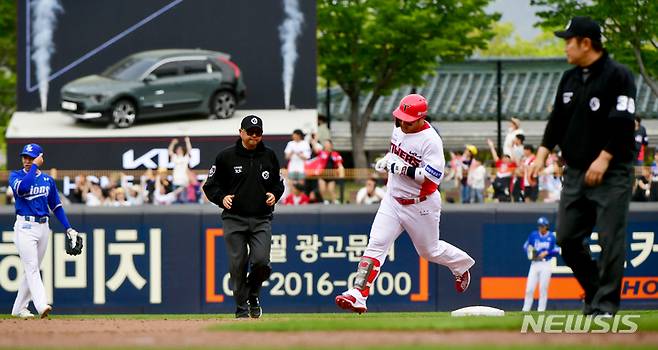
(248,241)
(606,206)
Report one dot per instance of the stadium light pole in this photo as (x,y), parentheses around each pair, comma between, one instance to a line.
(499,102)
(327,102)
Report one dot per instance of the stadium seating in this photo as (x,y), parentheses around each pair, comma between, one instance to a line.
(466,91)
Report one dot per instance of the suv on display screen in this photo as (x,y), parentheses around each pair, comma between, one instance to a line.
(155,84)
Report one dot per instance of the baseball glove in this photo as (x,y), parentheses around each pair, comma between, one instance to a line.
(532,253)
(73,243)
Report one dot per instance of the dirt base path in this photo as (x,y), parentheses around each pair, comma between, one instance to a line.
(71,333)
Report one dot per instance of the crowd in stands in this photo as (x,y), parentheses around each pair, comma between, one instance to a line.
(467,180)
(153,187)
(314,173)
(158,187)
(313,157)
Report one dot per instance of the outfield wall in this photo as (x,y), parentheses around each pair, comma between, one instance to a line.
(172,260)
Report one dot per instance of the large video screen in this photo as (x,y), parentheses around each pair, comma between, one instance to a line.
(69,39)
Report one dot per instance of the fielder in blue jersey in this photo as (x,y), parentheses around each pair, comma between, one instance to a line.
(35,195)
(541,249)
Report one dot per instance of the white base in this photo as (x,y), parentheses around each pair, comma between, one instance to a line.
(478,311)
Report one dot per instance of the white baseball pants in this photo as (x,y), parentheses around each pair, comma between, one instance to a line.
(31,239)
(421,221)
(540,271)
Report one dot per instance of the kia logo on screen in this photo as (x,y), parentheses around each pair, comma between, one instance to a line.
(155,158)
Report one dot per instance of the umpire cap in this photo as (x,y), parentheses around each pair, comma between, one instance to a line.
(31,150)
(581,26)
(250,122)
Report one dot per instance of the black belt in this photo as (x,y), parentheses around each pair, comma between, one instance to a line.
(39,219)
(407,201)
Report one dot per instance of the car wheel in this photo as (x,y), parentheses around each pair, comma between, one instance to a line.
(222,105)
(124,114)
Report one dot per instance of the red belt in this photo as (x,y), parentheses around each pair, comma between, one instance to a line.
(407,201)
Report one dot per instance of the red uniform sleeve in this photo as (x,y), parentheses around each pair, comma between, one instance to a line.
(338,159)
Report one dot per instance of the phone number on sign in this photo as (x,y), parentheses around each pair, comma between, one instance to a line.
(307,283)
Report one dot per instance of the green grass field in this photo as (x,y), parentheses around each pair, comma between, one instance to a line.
(400,321)
(375,321)
(387,322)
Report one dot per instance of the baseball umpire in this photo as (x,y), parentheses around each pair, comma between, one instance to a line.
(592,122)
(245,182)
(36,194)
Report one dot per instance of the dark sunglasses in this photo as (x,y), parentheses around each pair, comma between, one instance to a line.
(254,132)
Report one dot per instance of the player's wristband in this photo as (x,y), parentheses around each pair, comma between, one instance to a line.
(415,173)
(411,172)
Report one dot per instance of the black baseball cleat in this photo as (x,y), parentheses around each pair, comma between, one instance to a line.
(255,311)
(588,309)
(241,312)
(603,314)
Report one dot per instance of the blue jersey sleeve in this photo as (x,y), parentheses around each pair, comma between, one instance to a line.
(14,181)
(22,186)
(55,204)
(53,196)
(61,216)
(553,250)
(527,241)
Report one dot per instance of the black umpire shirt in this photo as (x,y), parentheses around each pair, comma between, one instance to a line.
(247,174)
(593,111)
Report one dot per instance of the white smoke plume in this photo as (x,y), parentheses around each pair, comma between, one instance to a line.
(44,19)
(288,32)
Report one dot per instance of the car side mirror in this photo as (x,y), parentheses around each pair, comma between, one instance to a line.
(150,78)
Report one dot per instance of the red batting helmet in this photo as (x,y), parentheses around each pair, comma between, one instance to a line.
(412,107)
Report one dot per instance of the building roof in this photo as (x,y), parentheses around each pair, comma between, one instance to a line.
(466,91)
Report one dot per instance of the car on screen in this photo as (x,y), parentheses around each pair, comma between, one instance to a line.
(157,83)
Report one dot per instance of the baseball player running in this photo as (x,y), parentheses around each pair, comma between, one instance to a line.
(412,203)
(35,192)
(541,249)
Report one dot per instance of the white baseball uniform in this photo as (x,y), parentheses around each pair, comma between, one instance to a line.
(31,240)
(421,217)
(540,271)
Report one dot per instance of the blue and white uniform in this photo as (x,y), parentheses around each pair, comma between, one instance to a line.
(540,269)
(35,196)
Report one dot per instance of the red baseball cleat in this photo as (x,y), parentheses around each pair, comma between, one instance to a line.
(462,282)
(349,302)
